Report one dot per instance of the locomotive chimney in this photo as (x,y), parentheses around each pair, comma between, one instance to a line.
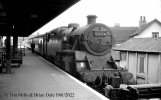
(91,19)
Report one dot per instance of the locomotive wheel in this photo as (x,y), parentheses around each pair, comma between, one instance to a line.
(97,82)
(57,59)
(89,77)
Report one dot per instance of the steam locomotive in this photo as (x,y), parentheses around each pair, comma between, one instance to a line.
(84,52)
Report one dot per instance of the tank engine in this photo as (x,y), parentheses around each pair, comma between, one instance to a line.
(84,52)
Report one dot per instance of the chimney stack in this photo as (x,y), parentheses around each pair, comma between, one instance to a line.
(142,21)
(91,19)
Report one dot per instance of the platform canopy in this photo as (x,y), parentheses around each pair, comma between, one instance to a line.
(26,16)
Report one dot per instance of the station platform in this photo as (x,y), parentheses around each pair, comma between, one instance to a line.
(38,79)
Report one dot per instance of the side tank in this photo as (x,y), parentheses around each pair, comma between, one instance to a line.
(54,42)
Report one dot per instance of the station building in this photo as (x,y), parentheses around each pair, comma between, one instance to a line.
(141,53)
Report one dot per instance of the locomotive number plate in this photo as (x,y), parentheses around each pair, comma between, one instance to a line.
(100,33)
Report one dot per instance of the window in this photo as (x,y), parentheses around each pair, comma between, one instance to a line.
(141,68)
(123,56)
(155,34)
(141,64)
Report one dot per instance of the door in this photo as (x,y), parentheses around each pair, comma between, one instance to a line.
(153,69)
(141,69)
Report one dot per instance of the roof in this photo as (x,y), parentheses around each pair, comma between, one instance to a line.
(27,16)
(123,33)
(141,29)
(115,55)
(141,45)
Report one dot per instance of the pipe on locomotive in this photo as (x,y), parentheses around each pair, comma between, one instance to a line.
(91,19)
(73,25)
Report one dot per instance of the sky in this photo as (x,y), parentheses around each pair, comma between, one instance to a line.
(109,12)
